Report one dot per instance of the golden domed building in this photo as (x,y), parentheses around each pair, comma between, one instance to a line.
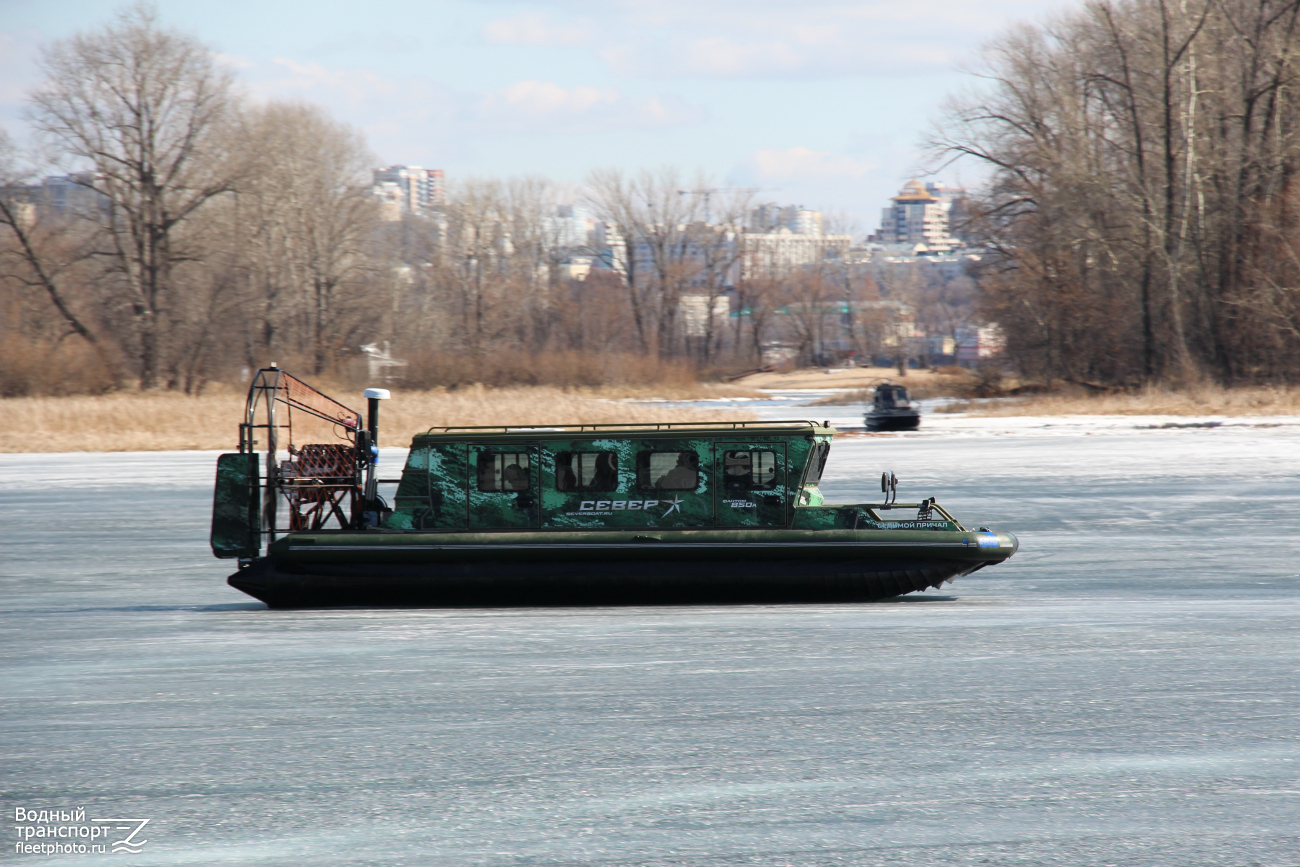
(917,216)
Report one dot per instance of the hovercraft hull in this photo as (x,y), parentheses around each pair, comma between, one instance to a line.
(892,421)
(367,569)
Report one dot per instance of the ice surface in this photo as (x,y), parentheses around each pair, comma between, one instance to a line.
(1124,691)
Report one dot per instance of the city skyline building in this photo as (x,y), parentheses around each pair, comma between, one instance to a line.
(405,190)
(771,217)
(776,254)
(66,195)
(919,214)
(570,226)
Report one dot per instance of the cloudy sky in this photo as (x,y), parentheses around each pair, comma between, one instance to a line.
(814,102)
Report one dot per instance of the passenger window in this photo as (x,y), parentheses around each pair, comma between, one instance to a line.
(667,471)
(749,470)
(503,471)
(586,471)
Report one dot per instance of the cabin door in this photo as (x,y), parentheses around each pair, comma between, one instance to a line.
(751,489)
(503,483)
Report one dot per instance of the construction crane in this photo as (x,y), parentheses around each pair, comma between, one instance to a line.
(707,195)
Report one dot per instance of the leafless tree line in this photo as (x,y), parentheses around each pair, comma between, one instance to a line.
(207,230)
(495,283)
(210,232)
(1143,198)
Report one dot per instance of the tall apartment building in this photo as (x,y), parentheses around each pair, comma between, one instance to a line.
(777,240)
(570,226)
(72,194)
(409,190)
(918,215)
(65,195)
(782,238)
(771,217)
(775,254)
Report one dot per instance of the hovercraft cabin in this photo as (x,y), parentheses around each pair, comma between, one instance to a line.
(677,476)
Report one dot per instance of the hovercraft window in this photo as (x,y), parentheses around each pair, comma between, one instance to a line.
(503,471)
(749,470)
(586,471)
(667,471)
(818,463)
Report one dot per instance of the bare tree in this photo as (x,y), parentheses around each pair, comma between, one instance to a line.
(1139,153)
(304,229)
(141,105)
(41,246)
(473,261)
(614,199)
(757,300)
(810,298)
(718,251)
(664,248)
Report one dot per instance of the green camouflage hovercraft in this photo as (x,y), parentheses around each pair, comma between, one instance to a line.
(569,514)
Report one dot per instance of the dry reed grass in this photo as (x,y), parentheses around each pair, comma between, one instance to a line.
(930,382)
(558,368)
(161,421)
(944,382)
(31,367)
(1204,400)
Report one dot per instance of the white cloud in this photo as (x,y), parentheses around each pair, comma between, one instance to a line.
(232,61)
(533,28)
(18,75)
(311,79)
(724,56)
(768,38)
(812,50)
(18,71)
(799,53)
(782,14)
(404,118)
(544,106)
(804,163)
(407,109)
(545,101)
(623,59)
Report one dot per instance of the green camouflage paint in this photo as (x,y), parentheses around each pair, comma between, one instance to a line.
(441,485)
(630,504)
(865,518)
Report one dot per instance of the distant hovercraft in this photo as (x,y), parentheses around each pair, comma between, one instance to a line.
(890,409)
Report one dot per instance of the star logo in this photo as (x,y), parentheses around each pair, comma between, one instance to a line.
(676,506)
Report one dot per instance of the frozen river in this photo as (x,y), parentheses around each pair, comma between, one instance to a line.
(1125,691)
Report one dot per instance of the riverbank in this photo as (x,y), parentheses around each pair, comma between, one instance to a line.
(164,421)
(1201,401)
(1008,397)
(948,381)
